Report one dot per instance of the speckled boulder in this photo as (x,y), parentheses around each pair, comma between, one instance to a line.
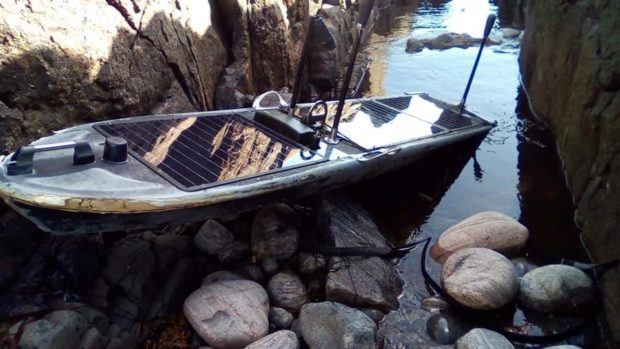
(480,278)
(286,290)
(490,230)
(556,288)
(229,314)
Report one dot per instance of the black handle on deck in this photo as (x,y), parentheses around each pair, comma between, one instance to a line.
(22,160)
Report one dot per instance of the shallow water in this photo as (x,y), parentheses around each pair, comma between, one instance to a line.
(516,169)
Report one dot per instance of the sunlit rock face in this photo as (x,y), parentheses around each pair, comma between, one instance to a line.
(76,61)
(570,61)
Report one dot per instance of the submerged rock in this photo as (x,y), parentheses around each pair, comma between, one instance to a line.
(483,338)
(491,230)
(278,340)
(480,278)
(233,252)
(414,45)
(311,262)
(445,328)
(523,265)
(334,325)
(229,313)
(556,288)
(286,290)
(213,237)
(274,232)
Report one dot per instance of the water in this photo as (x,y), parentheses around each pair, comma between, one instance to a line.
(516,169)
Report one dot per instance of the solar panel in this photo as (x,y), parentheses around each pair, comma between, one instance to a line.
(198,152)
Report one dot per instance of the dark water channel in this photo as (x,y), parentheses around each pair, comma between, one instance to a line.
(516,170)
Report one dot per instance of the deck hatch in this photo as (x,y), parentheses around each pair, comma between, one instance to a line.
(198,152)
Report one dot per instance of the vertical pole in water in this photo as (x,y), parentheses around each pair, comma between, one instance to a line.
(344,90)
(301,68)
(487,31)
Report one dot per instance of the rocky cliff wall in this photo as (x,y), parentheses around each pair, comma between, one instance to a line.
(78,61)
(570,62)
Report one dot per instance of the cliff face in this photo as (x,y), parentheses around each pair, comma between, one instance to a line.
(570,61)
(76,61)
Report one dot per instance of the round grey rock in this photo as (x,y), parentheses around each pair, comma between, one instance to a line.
(556,288)
(334,325)
(212,237)
(230,313)
(491,230)
(480,278)
(483,338)
(278,340)
(279,318)
(286,290)
(444,328)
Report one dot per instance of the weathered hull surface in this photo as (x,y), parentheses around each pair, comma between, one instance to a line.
(100,197)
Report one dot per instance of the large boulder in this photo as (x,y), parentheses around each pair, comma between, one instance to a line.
(136,59)
(229,313)
(492,230)
(480,278)
(334,325)
(556,288)
(357,281)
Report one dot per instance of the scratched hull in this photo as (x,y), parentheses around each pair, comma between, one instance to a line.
(101,197)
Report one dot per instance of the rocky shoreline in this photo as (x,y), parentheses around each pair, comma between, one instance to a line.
(251,281)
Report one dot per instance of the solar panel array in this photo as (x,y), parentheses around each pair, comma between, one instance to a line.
(198,152)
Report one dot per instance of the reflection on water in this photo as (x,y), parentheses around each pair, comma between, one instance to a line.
(515,170)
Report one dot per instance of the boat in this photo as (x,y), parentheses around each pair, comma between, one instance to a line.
(143,172)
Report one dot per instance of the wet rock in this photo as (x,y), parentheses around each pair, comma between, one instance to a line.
(374,314)
(510,33)
(221,275)
(278,340)
(483,338)
(434,304)
(286,290)
(414,45)
(58,329)
(270,265)
(213,237)
(279,318)
(564,346)
(334,325)
(274,232)
(480,278)
(233,252)
(311,262)
(229,313)
(357,281)
(556,288)
(523,265)
(445,328)
(491,230)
